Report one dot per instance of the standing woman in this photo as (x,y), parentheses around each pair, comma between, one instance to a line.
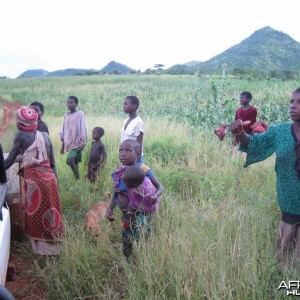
(43,211)
(283,140)
(133,127)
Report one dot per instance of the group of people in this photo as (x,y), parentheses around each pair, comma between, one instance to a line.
(136,188)
(136,192)
(283,140)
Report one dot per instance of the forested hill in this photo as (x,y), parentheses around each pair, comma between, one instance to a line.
(265,49)
(111,68)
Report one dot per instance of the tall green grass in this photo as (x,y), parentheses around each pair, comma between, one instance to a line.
(213,236)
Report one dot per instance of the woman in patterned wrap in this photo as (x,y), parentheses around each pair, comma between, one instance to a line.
(43,211)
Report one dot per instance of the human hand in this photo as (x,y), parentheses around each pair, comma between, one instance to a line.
(236,127)
(110,215)
(153,199)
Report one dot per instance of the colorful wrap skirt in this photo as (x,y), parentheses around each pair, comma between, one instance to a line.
(43,211)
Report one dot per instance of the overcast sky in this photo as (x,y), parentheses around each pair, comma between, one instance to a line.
(60,34)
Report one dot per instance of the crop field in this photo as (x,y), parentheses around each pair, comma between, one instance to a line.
(214,234)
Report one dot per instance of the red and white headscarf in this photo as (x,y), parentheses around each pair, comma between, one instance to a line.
(27,119)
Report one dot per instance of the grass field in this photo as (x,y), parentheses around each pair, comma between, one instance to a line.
(213,237)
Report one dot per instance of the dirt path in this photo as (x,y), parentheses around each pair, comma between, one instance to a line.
(9,110)
(26,286)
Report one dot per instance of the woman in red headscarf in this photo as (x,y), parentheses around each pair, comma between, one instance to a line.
(43,212)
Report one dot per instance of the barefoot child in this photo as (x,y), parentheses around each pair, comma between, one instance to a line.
(283,140)
(73,134)
(129,152)
(246,112)
(97,154)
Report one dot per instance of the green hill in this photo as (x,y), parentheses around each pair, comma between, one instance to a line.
(265,50)
(115,68)
(111,68)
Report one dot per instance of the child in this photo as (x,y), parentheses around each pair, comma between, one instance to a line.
(140,191)
(97,154)
(283,140)
(129,152)
(246,112)
(73,135)
(39,108)
(133,127)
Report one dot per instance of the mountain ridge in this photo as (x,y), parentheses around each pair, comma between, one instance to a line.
(265,50)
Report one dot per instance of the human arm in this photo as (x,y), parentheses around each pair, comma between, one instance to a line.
(52,158)
(260,146)
(237,128)
(82,131)
(109,211)
(159,189)
(139,139)
(13,153)
(61,136)
(253,115)
(104,155)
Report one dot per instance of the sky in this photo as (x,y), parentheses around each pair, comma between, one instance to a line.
(60,34)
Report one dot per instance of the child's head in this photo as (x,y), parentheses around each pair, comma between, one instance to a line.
(37,110)
(131,104)
(245,98)
(129,152)
(97,133)
(72,103)
(133,176)
(38,107)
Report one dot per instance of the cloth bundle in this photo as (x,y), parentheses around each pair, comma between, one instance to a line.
(258,127)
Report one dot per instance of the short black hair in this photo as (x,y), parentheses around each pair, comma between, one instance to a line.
(39,104)
(248,95)
(134,100)
(297,90)
(133,175)
(135,145)
(100,130)
(74,98)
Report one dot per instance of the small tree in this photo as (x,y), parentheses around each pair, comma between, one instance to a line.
(158,68)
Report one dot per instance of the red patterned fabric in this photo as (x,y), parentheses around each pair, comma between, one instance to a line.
(43,212)
(27,118)
(259,127)
(221,132)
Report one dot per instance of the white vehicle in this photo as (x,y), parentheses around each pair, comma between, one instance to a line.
(4,222)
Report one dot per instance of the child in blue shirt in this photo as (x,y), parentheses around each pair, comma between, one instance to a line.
(129,152)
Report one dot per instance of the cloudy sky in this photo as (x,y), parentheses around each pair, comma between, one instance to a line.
(60,34)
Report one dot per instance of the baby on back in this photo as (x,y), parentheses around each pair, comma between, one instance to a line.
(140,191)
